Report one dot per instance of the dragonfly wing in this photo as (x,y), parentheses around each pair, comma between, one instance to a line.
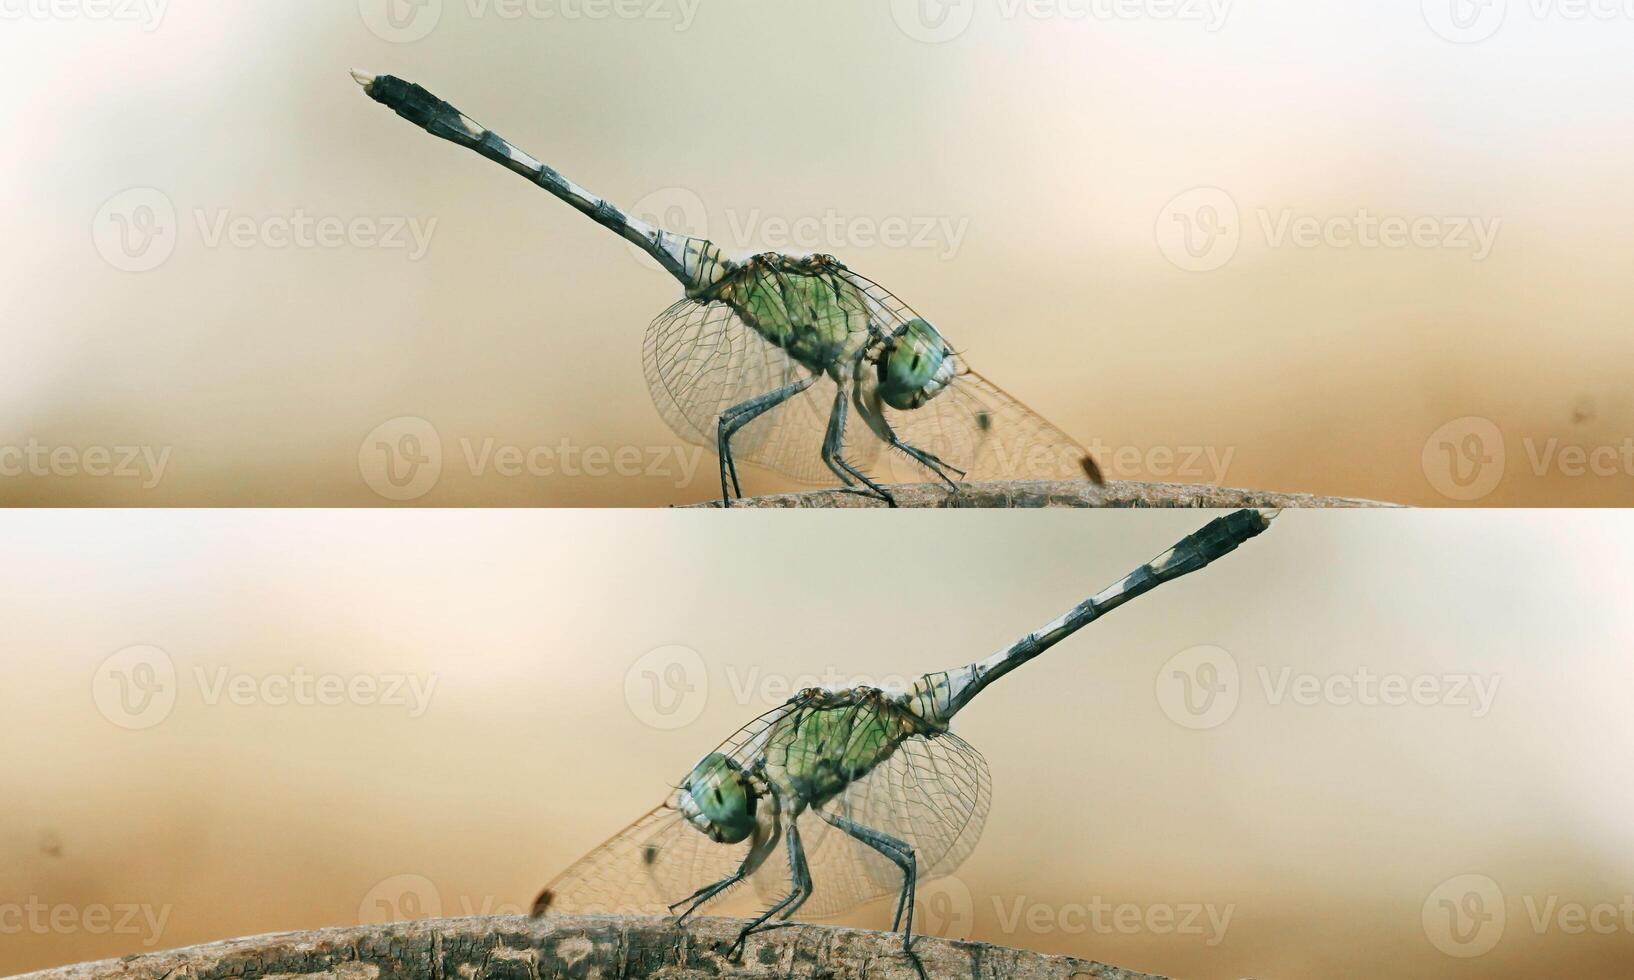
(701,359)
(661,858)
(642,870)
(978,427)
(932,793)
(973,425)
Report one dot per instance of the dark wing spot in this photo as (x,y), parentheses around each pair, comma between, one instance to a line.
(542,903)
(1092,470)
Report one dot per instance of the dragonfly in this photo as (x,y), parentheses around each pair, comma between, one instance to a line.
(795,363)
(869,792)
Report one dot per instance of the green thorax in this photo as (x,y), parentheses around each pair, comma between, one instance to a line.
(806,306)
(829,740)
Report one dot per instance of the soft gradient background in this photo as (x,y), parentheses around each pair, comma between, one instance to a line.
(1057,144)
(1323,829)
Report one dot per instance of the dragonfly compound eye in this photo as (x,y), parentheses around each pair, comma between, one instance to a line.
(718,799)
(915,365)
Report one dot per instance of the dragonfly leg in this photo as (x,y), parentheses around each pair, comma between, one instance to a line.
(901,854)
(834,448)
(802,881)
(799,890)
(928,460)
(736,418)
(704,894)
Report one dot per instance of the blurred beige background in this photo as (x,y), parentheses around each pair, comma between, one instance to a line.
(1407,709)
(1363,249)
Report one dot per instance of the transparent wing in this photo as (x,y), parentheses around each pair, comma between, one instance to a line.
(701,359)
(661,859)
(974,425)
(645,868)
(933,793)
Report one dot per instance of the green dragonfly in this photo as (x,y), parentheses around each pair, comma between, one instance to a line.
(897,798)
(798,364)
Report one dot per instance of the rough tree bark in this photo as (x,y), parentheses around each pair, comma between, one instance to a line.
(518,948)
(1076,493)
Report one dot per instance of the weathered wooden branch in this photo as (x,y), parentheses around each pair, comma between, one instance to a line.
(518,948)
(1076,493)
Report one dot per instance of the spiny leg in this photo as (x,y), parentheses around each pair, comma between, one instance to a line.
(802,883)
(900,854)
(797,877)
(740,415)
(704,894)
(833,440)
(834,448)
(928,460)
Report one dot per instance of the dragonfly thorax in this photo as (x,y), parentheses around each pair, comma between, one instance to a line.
(805,305)
(830,739)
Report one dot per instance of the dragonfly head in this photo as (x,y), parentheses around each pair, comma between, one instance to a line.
(915,364)
(719,800)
